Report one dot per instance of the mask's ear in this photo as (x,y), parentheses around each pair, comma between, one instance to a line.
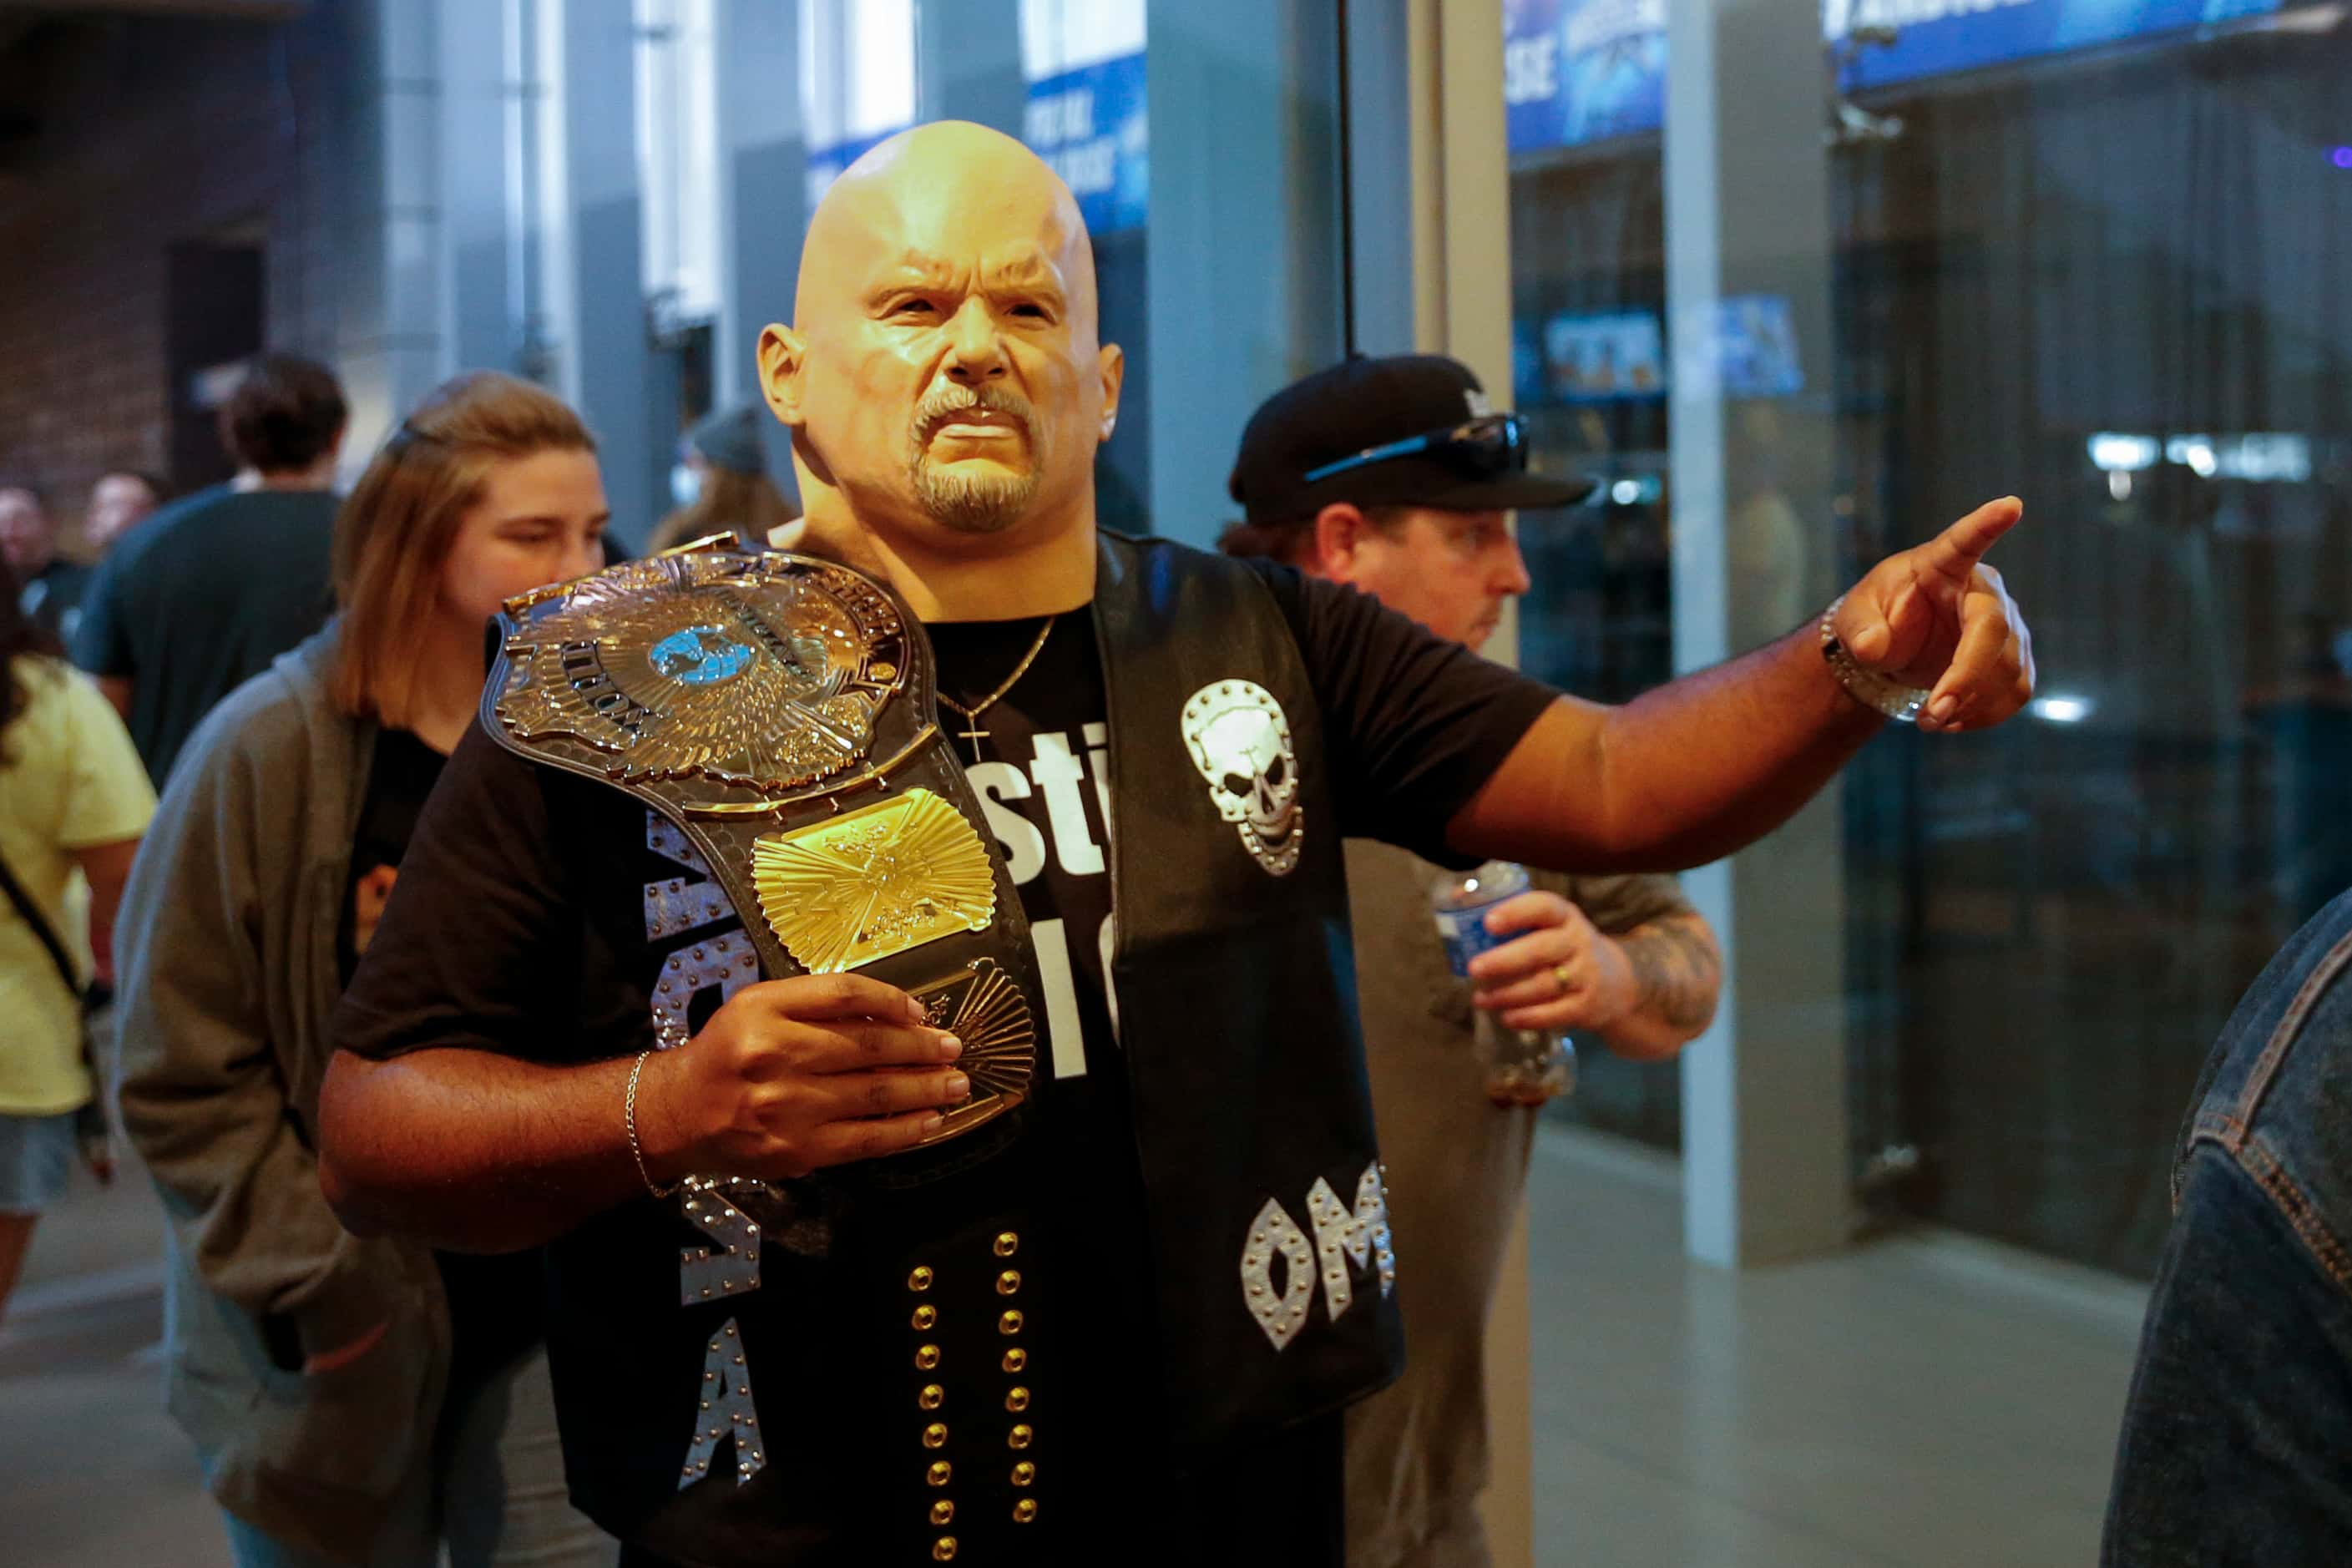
(783,354)
(1113,363)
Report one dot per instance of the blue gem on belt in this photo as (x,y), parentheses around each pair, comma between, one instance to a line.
(700,655)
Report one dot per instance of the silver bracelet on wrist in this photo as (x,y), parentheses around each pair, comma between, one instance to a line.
(629,1121)
(1882,693)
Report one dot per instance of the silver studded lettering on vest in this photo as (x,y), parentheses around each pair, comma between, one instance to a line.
(1358,1237)
(1280,1313)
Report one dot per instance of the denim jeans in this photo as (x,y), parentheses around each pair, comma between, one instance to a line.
(491,1490)
(2237,1439)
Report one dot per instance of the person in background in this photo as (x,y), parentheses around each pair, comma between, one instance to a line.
(72,798)
(49,587)
(121,500)
(205,594)
(2240,1413)
(721,484)
(358,1401)
(1626,958)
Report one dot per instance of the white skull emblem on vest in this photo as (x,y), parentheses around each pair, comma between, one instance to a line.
(1240,740)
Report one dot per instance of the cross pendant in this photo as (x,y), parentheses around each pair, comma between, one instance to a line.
(975,735)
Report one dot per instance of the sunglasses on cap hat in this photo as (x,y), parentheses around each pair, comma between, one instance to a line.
(1489,445)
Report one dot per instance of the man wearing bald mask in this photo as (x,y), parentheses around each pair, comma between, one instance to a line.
(908,1306)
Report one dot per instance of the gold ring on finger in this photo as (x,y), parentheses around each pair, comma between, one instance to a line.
(1560,972)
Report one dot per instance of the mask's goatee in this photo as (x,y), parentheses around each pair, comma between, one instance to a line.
(969,502)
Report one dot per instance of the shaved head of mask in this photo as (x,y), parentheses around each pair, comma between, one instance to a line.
(943,378)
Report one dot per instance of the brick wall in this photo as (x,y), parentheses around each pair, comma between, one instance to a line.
(155,132)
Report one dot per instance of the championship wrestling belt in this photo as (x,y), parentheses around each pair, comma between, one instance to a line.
(780,711)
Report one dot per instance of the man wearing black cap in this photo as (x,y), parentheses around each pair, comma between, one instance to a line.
(1624,958)
(1393,475)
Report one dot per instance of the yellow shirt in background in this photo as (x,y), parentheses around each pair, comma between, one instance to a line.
(70,779)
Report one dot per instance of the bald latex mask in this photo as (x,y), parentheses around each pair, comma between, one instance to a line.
(943,378)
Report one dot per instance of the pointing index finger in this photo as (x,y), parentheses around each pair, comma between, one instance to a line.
(1956,552)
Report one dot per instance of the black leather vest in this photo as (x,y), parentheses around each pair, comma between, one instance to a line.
(1236,999)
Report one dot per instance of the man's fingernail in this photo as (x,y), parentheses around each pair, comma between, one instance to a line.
(917,1013)
(958,1087)
(953,1047)
(1944,706)
(933,1122)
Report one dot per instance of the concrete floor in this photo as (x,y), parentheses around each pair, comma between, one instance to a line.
(92,1473)
(1919,1403)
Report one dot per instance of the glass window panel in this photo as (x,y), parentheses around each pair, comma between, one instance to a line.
(1583,89)
(2113,280)
(857,80)
(2096,254)
(1059,35)
(678,157)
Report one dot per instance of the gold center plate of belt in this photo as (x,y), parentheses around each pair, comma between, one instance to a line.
(857,888)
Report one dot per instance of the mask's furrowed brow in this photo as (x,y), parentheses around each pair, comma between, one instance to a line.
(1027,273)
(915,270)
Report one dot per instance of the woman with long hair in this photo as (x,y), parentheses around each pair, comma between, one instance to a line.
(354,1400)
(73,797)
(722,485)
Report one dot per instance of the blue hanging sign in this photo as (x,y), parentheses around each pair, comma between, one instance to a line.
(1937,36)
(1089,124)
(1582,70)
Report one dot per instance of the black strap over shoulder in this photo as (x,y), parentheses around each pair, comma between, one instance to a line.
(1235,984)
(31,916)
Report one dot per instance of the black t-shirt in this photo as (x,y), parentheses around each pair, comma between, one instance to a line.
(199,599)
(1038,767)
(536,910)
(495,1303)
(51,598)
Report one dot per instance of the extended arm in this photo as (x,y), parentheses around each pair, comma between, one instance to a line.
(1706,765)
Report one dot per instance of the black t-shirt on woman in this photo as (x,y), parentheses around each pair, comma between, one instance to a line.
(495,1310)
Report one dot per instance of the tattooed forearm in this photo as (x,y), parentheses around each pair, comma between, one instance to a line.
(1678,970)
